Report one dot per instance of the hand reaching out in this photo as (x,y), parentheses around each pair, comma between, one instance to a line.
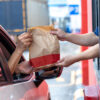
(60,34)
(67,61)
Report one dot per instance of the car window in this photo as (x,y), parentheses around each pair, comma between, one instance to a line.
(7,47)
(7,44)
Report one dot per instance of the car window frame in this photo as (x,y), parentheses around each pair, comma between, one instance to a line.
(5,69)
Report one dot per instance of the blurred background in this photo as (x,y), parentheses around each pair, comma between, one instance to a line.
(16,16)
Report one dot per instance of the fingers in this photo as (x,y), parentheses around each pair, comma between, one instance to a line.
(60,64)
(27,40)
(59,33)
(54,32)
(61,60)
(28,44)
(24,41)
(25,36)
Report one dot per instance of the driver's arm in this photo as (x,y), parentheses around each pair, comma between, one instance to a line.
(24,41)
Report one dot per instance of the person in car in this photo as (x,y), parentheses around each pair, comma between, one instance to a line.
(89,39)
(23,42)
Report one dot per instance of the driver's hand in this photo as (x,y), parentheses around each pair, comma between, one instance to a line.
(24,68)
(24,41)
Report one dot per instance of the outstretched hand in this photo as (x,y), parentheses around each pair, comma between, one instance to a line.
(59,33)
(67,61)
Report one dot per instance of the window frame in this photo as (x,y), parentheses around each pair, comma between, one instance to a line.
(5,70)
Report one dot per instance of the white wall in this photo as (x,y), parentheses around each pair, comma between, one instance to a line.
(37,13)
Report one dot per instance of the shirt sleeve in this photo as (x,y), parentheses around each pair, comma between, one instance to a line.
(97,31)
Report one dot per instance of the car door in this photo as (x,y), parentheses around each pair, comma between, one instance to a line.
(23,90)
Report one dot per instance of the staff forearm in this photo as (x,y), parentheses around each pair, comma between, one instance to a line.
(88,39)
(91,53)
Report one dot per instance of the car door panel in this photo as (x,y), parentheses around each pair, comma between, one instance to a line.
(24,91)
